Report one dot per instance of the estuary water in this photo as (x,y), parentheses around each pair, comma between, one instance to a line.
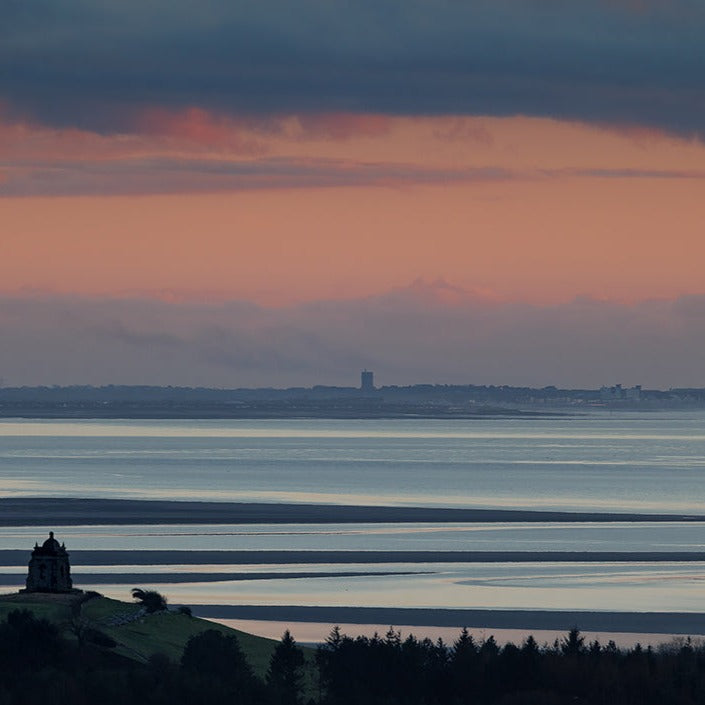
(648,462)
(602,462)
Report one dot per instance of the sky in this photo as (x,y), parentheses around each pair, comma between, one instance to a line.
(458,191)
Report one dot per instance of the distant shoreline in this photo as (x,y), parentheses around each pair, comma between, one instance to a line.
(69,511)
(195,413)
(423,400)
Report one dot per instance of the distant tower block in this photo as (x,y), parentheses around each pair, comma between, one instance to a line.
(367,381)
(49,569)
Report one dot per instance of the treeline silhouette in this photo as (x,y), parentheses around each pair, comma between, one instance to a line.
(38,666)
(411,671)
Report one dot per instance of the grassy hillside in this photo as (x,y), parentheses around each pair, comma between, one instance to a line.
(55,608)
(138,636)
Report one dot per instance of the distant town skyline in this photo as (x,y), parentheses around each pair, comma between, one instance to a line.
(406,336)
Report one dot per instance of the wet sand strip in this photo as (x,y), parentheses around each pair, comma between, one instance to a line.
(53,512)
(560,620)
(15,557)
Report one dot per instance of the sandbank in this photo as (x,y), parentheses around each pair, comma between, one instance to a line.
(15,557)
(71,511)
(525,620)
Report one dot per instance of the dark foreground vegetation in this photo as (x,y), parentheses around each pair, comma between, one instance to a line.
(38,665)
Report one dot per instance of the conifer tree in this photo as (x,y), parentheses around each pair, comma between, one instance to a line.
(285,674)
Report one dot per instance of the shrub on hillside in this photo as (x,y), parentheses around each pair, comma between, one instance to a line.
(151,600)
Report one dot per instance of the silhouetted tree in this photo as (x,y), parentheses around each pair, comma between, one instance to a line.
(286,671)
(214,654)
(151,600)
(27,642)
(574,643)
(218,671)
(464,667)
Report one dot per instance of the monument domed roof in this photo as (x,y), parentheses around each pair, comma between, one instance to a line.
(51,542)
(50,547)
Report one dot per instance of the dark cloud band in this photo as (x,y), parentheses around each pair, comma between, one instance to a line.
(95,64)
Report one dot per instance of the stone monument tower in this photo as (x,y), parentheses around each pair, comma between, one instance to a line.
(49,569)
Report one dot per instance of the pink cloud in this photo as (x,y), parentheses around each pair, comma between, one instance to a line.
(198,127)
(155,131)
(440,293)
(642,136)
(460,129)
(341,126)
(26,143)
(177,151)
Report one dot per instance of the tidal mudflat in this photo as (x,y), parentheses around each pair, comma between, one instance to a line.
(493,523)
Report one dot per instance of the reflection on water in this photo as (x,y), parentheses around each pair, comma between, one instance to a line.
(636,586)
(562,536)
(668,587)
(619,461)
(615,426)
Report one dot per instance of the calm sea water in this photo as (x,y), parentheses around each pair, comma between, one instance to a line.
(630,462)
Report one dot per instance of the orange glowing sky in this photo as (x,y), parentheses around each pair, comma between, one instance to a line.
(238,194)
(347,206)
